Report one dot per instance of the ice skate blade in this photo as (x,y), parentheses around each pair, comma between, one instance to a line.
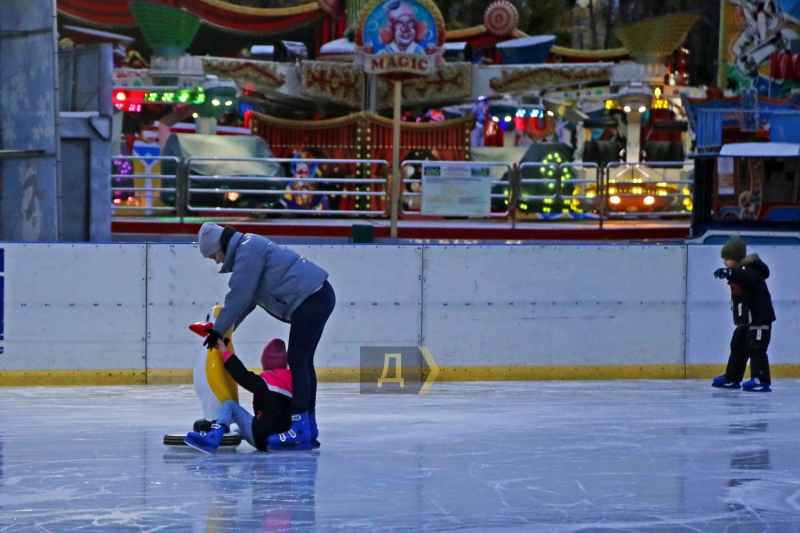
(228,439)
(199,449)
(755,385)
(298,447)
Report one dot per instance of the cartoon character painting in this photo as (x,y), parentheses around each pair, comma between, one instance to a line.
(759,29)
(761,36)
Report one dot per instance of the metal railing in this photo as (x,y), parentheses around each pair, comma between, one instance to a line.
(581,182)
(650,176)
(553,183)
(593,194)
(282,182)
(556,180)
(144,193)
(407,197)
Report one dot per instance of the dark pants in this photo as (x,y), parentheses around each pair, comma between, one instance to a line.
(749,342)
(308,321)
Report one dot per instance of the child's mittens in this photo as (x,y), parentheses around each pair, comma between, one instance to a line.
(226,355)
(722,273)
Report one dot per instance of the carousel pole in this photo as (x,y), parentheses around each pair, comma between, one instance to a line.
(398,60)
(398,93)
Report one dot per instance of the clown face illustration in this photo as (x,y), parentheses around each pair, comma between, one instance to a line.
(404,25)
(403,32)
(301,194)
(301,201)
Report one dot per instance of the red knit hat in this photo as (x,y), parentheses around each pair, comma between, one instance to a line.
(274,355)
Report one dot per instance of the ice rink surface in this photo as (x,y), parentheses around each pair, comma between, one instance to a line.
(649,456)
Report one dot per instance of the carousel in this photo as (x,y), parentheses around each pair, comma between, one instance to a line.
(492,95)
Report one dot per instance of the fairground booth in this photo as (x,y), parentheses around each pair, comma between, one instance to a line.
(546,131)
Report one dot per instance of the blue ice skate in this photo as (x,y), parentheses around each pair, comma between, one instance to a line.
(296,439)
(296,447)
(312,423)
(755,385)
(721,382)
(206,442)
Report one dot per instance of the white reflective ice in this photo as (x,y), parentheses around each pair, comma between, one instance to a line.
(649,456)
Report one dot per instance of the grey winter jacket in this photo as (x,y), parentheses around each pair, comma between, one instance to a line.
(267,275)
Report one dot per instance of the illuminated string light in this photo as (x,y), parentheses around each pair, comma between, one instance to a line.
(134,97)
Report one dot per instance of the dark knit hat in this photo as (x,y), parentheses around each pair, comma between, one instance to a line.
(734,249)
(274,355)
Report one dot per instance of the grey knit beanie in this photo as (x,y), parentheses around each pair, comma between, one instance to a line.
(209,239)
(734,249)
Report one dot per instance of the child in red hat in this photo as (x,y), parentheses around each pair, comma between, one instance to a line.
(272,400)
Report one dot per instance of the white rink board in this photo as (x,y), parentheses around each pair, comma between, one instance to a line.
(554,305)
(74,307)
(181,287)
(708,315)
(378,301)
(108,306)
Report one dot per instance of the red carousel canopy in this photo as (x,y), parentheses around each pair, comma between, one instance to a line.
(237,19)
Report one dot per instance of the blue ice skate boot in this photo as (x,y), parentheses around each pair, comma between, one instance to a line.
(206,442)
(755,385)
(721,382)
(312,423)
(296,439)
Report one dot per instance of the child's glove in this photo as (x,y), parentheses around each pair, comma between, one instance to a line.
(212,339)
(722,273)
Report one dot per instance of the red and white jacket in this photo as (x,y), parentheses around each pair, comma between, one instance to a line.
(278,380)
(272,398)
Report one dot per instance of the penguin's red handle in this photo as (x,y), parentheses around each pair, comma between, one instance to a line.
(201,328)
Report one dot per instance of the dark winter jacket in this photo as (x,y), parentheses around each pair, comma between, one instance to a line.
(272,399)
(751,302)
(267,275)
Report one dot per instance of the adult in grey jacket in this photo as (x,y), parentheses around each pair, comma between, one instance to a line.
(290,288)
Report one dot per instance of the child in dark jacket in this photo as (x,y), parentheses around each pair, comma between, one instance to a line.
(272,401)
(753,316)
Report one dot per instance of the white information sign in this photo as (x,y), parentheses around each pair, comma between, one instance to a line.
(725,176)
(456,190)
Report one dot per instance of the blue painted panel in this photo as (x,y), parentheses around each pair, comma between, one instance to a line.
(27,121)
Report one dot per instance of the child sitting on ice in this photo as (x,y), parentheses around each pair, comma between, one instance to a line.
(272,401)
